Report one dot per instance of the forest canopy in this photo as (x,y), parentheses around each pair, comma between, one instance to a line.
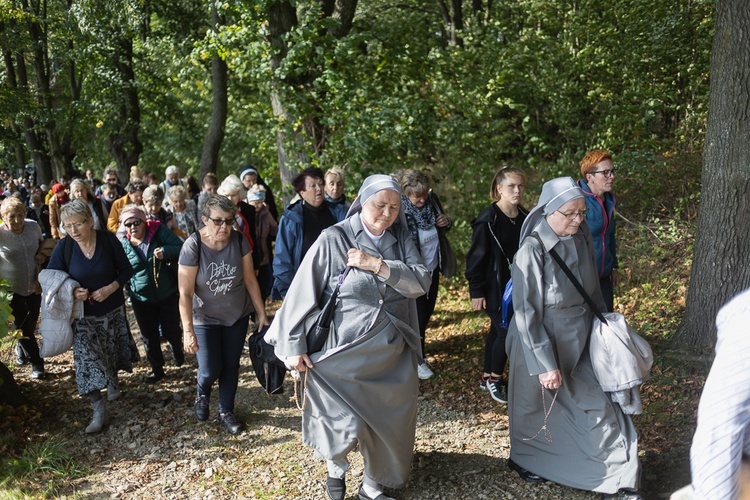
(455,87)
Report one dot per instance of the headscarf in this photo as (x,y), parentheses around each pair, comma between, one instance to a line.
(373,185)
(555,193)
(248,170)
(133,213)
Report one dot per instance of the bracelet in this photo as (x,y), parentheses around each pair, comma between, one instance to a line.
(378,267)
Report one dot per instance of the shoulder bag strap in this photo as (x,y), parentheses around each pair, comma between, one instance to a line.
(578,285)
(489,228)
(326,314)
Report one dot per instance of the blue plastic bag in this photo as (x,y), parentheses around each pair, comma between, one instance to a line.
(507,304)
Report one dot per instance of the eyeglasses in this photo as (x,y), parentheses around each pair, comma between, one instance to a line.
(221,222)
(571,216)
(111,180)
(73,226)
(133,223)
(610,172)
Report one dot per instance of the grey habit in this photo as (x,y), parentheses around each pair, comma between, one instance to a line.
(594,445)
(363,387)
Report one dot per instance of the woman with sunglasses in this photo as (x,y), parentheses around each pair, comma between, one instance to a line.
(563,426)
(218,292)
(598,173)
(149,245)
(102,343)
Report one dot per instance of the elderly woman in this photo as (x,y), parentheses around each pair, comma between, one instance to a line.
(153,288)
(427,224)
(153,200)
(81,190)
(335,184)
(232,188)
(563,426)
(218,291)
(250,177)
(58,199)
(184,211)
(19,244)
(102,343)
(300,226)
(265,230)
(361,389)
(494,242)
(598,173)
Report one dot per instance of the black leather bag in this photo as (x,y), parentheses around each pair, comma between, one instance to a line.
(269,369)
(318,334)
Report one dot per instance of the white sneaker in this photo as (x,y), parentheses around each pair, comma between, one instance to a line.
(424,372)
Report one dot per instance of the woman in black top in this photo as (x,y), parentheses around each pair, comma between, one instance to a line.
(494,242)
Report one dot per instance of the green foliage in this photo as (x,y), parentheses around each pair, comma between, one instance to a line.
(6,315)
(533,83)
(41,468)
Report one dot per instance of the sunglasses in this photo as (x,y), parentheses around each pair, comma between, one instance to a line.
(221,222)
(134,223)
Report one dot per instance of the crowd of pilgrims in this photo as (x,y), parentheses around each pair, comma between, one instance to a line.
(198,263)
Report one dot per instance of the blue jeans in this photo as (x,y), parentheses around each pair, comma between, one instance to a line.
(219,351)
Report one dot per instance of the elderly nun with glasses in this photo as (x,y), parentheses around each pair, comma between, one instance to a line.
(361,388)
(563,426)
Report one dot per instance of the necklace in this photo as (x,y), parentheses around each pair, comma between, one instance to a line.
(512,219)
(88,253)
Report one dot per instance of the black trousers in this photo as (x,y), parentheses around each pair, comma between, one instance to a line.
(26,313)
(151,315)
(426,306)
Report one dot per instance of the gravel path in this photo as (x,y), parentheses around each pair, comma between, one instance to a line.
(155,448)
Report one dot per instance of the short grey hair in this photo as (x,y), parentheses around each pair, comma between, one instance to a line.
(220,203)
(231,185)
(177,193)
(153,193)
(75,208)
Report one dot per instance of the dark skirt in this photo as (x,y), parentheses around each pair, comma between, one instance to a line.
(102,345)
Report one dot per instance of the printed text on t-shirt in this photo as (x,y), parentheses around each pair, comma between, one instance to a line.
(220,277)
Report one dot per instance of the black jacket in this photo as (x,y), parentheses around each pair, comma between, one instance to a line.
(487,264)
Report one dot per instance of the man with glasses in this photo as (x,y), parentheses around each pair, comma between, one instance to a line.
(110,179)
(598,173)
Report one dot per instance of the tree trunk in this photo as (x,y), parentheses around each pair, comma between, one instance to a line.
(124,143)
(215,133)
(282,18)
(720,261)
(18,82)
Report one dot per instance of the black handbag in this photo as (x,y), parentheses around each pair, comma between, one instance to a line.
(269,369)
(318,334)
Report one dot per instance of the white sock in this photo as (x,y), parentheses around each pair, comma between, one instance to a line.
(371,491)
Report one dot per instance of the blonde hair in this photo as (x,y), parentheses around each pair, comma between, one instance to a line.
(500,176)
(12,205)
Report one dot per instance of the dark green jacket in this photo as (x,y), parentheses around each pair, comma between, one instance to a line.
(142,284)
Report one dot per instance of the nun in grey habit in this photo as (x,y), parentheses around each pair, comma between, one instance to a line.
(588,443)
(361,389)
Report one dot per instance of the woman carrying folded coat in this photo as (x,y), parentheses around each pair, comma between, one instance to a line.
(563,426)
(361,389)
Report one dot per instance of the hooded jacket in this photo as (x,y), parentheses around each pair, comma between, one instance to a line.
(59,309)
(600,216)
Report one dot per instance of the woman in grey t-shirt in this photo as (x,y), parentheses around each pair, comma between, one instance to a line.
(218,291)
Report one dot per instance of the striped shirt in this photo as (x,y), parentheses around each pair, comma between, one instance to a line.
(723,433)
